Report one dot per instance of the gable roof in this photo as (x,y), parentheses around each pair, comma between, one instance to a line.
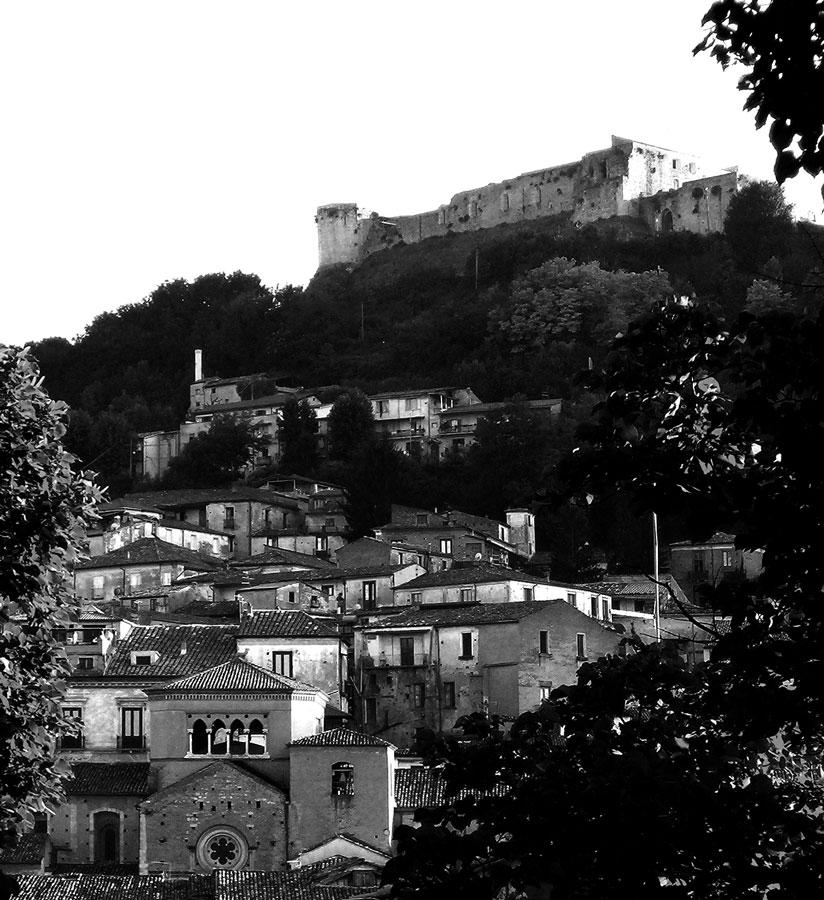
(178,499)
(447,615)
(481,573)
(205,645)
(420,786)
(152,550)
(299,884)
(234,675)
(280,556)
(130,779)
(214,772)
(284,623)
(341,737)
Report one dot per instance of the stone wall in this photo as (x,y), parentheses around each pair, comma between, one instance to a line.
(602,184)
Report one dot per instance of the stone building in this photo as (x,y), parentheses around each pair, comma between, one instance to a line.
(667,189)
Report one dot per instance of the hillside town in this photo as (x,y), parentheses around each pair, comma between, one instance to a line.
(252,692)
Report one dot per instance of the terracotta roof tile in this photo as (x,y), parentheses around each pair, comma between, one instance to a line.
(206,646)
(299,884)
(234,675)
(462,614)
(419,786)
(116,887)
(341,737)
(152,550)
(202,496)
(280,556)
(28,851)
(130,779)
(284,623)
(483,573)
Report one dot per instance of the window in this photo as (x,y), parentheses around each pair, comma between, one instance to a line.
(466,645)
(369,594)
(282,662)
(605,611)
(383,407)
(90,635)
(229,517)
(639,605)
(528,594)
(131,728)
(97,587)
(371,711)
(407,651)
(504,202)
(572,598)
(415,597)
(321,544)
(73,741)
(328,589)
(314,602)
(449,695)
(220,738)
(372,681)
(142,659)
(698,565)
(135,580)
(466,595)
(166,578)
(545,691)
(411,403)
(222,848)
(291,596)
(343,779)
(543,642)
(85,662)
(726,558)
(446,545)
(581,645)
(418,695)
(593,606)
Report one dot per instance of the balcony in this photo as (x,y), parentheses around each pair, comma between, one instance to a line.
(457,429)
(131,742)
(403,661)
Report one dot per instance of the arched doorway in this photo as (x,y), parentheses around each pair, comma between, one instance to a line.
(107,837)
(666,220)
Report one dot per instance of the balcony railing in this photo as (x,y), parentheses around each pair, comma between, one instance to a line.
(396,662)
(72,742)
(131,742)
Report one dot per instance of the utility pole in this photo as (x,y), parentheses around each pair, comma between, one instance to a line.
(656,576)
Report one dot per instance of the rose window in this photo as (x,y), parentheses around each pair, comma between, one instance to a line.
(222,848)
(223,851)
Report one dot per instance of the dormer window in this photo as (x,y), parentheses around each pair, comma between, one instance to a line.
(144,657)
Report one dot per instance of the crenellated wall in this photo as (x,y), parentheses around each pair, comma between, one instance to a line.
(602,184)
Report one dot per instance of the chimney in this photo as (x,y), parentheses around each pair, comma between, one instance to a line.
(198,365)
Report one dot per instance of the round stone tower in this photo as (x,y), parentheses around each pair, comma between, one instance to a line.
(338,234)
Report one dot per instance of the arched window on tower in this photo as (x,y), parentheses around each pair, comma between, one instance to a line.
(237,739)
(343,779)
(257,738)
(200,737)
(220,738)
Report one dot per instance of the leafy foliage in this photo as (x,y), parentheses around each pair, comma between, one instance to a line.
(562,301)
(297,434)
(619,787)
(351,425)
(216,457)
(759,224)
(44,508)
(781,43)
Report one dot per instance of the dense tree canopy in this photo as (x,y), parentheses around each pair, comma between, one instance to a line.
(351,425)
(297,435)
(781,44)
(759,224)
(44,508)
(216,457)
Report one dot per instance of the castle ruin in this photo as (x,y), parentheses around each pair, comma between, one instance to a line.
(668,190)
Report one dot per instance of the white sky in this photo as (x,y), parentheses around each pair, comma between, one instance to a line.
(143,142)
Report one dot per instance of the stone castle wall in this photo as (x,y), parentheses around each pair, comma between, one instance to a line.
(618,181)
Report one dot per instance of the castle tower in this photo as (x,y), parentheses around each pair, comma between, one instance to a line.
(338,234)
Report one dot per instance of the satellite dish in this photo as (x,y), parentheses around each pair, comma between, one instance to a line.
(478,557)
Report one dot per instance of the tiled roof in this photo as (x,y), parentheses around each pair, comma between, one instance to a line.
(205,645)
(284,623)
(28,851)
(483,573)
(203,496)
(152,550)
(94,614)
(418,786)
(280,556)
(643,587)
(234,675)
(537,405)
(341,737)
(116,887)
(299,884)
(462,614)
(720,537)
(177,524)
(110,778)
(419,392)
